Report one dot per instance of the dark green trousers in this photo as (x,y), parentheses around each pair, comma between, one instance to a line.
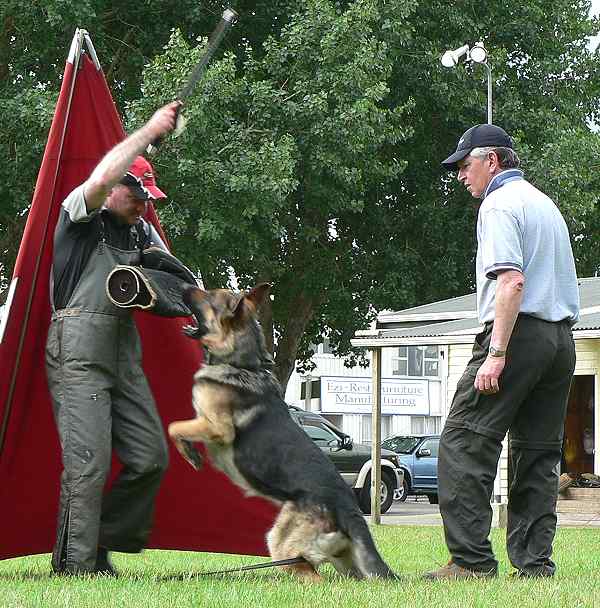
(531,406)
(102,402)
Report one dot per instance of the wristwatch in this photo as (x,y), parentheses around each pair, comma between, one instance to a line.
(496,352)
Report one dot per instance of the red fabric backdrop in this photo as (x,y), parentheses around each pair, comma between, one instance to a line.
(195,511)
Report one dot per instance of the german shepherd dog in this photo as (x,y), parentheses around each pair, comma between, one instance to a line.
(249,434)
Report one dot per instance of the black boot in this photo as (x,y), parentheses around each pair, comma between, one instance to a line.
(103,565)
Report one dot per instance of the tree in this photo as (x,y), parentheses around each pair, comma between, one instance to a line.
(313,161)
(277,174)
(311,157)
(546,84)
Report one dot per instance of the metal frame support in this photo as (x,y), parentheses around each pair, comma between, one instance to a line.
(376,437)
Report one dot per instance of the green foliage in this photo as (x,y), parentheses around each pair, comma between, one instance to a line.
(22,147)
(282,154)
(570,169)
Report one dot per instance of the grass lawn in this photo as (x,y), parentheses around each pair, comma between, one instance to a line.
(166,579)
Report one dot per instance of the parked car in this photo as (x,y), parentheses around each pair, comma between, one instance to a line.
(418,459)
(352,460)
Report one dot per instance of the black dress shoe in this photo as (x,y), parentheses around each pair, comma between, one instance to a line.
(103,564)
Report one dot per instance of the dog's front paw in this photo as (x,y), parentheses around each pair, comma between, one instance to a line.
(192,455)
(192,331)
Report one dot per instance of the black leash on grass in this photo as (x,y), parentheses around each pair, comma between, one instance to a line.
(281,562)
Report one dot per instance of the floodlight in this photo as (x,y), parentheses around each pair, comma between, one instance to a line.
(450,58)
(478,53)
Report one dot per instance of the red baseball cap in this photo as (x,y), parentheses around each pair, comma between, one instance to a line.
(140,178)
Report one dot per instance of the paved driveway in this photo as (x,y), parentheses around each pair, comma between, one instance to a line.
(417,511)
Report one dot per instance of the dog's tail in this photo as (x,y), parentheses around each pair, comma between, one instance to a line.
(365,556)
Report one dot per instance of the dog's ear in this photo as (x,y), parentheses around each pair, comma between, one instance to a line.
(251,300)
(256,296)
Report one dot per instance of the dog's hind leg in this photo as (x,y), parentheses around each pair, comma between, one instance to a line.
(336,548)
(365,557)
(284,543)
(344,564)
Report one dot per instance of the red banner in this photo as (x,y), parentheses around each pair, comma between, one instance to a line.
(199,511)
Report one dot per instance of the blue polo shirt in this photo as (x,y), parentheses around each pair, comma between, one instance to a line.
(520,228)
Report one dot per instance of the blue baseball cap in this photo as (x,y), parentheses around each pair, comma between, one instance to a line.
(479,136)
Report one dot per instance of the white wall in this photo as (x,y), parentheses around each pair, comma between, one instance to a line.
(330,365)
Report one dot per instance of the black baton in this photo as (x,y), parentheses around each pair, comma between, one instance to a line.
(228,18)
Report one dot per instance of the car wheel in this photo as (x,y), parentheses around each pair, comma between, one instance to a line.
(433,499)
(401,493)
(387,494)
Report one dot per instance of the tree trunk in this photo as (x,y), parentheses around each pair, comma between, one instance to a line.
(292,332)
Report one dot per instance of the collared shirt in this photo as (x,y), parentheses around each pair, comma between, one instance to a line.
(520,228)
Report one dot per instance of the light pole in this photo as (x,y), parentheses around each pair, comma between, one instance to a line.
(478,53)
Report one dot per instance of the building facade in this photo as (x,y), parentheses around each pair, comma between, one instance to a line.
(412,391)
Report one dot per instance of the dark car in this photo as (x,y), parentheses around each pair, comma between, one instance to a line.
(418,458)
(352,460)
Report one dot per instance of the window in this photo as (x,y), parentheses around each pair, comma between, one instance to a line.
(326,347)
(335,419)
(431,444)
(319,433)
(402,445)
(323,348)
(315,389)
(425,425)
(416,361)
(366,428)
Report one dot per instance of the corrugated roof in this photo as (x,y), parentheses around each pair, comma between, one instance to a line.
(459,304)
(589,293)
(467,327)
(588,322)
(461,326)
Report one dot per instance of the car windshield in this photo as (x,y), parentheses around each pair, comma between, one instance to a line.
(401,445)
(319,432)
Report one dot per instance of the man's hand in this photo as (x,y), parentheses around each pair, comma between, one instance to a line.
(486,380)
(163,121)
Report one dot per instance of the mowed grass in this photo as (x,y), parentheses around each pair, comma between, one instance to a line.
(168,579)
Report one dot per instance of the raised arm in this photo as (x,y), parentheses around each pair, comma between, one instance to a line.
(114,165)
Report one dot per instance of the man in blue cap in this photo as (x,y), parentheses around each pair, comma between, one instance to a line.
(519,376)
